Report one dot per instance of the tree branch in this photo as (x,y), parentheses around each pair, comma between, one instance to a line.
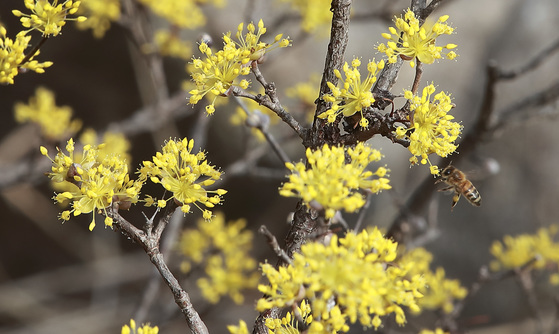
(305,220)
(149,240)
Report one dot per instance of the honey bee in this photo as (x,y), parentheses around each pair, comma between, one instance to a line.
(457,181)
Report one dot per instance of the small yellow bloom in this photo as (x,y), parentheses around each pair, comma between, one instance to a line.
(333,183)
(433,129)
(55,123)
(410,41)
(218,71)
(169,44)
(182,13)
(224,250)
(352,95)
(306,93)
(143,329)
(439,292)
(47,17)
(316,16)
(12,53)
(515,252)
(241,329)
(100,14)
(95,183)
(184,175)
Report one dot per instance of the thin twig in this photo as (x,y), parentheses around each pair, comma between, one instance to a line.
(417,78)
(272,102)
(524,277)
(523,109)
(261,123)
(555,327)
(32,53)
(434,4)
(533,63)
(273,242)
(152,288)
(362,214)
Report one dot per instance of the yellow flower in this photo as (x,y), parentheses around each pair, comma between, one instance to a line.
(115,144)
(515,252)
(185,175)
(182,13)
(251,44)
(409,41)
(224,250)
(433,129)
(316,16)
(331,182)
(306,93)
(436,331)
(96,183)
(12,53)
(144,329)
(55,122)
(241,329)
(48,18)
(352,95)
(218,71)
(319,273)
(169,44)
(289,323)
(439,293)
(100,14)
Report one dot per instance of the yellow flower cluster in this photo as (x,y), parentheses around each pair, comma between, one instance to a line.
(169,44)
(12,53)
(436,331)
(100,14)
(55,123)
(350,280)
(185,175)
(439,292)
(514,252)
(333,183)
(224,250)
(409,41)
(115,144)
(352,94)
(432,130)
(218,71)
(182,13)
(143,329)
(289,323)
(48,18)
(316,15)
(241,329)
(94,184)
(306,93)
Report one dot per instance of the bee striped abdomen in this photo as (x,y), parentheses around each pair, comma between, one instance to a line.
(473,195)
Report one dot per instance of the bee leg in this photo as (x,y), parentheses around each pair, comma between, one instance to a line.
(455,199)
(446,188)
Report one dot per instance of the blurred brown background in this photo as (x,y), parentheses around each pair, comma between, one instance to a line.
(58,278)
